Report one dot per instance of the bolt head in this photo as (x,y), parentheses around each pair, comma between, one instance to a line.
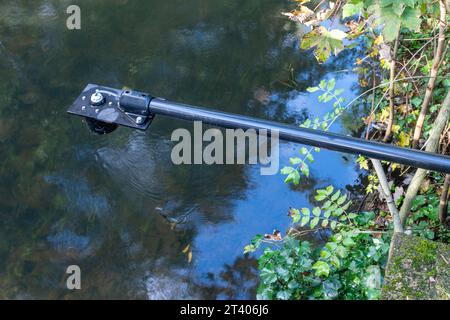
(139,120)
(97,99)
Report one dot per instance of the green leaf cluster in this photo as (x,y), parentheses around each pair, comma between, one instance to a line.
(349,266)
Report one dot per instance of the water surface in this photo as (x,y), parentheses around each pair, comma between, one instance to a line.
(106,203)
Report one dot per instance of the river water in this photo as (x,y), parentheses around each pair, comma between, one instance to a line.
(105,203)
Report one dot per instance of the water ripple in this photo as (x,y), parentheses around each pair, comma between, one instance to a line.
(134,165)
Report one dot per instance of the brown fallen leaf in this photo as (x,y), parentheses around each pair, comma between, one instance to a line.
(275,236)
(185,250)
(301,14)
(262,95)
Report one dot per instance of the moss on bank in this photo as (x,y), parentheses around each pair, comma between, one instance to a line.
(417,269)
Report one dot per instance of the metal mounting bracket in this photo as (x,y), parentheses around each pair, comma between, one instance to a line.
(105,108)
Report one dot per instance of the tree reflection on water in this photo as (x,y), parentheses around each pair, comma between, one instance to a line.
(69,197)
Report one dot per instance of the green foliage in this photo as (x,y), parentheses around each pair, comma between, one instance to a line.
(348,266)
(424,220)
(394,14)
(363,163)
(300,166)
(373,183)
(352,8)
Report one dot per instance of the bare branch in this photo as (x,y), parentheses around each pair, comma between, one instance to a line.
(398,227)
(388,132)
(443,203)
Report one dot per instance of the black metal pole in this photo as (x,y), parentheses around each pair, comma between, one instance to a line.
(106,108)
(331,141)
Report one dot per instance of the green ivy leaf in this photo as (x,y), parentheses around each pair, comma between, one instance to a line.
(331,246)
(322,268)
(283,295)
(312,89)
(348,242)
(268,276)
(293,285)
(335,261)
(324,254)
(341,251)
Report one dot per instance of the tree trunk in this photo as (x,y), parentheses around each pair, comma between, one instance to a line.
(432,146)
(433,73)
